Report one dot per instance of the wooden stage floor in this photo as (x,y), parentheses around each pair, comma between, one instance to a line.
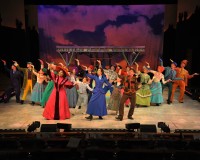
(177,115)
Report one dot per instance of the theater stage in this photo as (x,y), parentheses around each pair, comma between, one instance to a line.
(177,115)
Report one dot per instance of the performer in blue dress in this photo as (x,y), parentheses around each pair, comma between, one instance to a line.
(97,103)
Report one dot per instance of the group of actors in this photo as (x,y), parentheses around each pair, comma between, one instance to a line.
(57,89)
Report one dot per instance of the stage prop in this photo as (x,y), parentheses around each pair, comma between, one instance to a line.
(130,54)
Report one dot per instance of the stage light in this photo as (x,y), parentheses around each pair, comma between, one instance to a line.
(67,127)
(33,126)
(132,126)
(163,127)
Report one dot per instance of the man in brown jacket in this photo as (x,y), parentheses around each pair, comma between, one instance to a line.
(130,86)
(29,79)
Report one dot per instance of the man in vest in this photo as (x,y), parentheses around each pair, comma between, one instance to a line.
(182,73)
(170,73)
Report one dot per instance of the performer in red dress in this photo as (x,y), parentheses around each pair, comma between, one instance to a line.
(57,106)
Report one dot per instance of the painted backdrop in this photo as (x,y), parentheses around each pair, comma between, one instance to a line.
(104,25)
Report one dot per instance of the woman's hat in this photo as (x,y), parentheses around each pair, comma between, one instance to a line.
(91,67)
(161,68)
(64,69)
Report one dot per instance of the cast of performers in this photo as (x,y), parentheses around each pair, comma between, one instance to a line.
(182,73)
(57,107)
(130,86)
(15,87)
(28,81)
(61,93)
(97,103)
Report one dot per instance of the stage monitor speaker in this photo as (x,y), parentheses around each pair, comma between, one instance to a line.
(66,126)
(148,128)
(132,126)
(48,128)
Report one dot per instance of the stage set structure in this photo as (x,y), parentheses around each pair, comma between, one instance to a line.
(130,54)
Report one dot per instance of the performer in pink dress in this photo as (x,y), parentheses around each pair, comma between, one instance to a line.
(57,106)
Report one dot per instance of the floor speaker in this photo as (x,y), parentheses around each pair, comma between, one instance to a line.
(48,128)
(148,128)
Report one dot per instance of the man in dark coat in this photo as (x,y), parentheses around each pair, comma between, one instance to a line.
(15,87)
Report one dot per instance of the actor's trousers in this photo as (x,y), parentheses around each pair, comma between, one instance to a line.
(132,98)
(169,86)
(27,88)
(181,85)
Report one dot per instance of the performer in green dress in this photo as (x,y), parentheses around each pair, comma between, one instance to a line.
(49,86)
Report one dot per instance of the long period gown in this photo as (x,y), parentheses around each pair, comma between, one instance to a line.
(47,91)
(143,95)
(97,103)
(57,106)
(156,88)
(38,88)
(72,94)
(115,97)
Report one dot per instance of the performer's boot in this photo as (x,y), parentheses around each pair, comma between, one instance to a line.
(76,110)
(130,117)
(22,101)
(90,117)
(100,117)
(120,118)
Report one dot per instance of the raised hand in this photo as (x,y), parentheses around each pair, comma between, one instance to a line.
(15,63)
(148,66)
(84,67)
(4,62)
(136,64)
(61,64)
(196,74)
(99,61)
(41,61)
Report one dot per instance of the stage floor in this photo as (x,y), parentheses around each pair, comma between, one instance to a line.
(177,115)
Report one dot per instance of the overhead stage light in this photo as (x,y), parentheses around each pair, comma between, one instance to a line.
(32,127)
(163,127)
(67,127)
(132,126)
